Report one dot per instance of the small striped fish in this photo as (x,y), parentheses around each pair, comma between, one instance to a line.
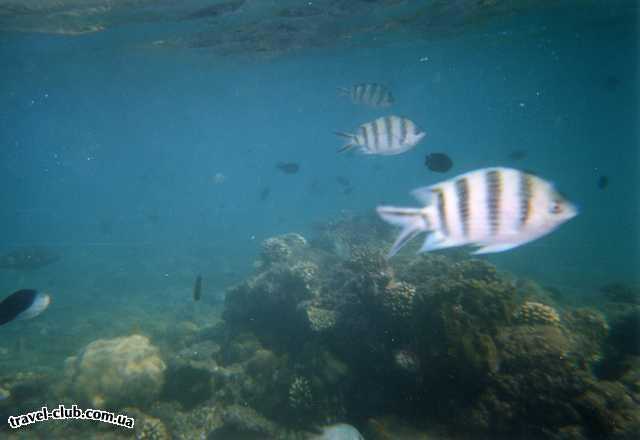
(495,209)
(371,94)
(385,136)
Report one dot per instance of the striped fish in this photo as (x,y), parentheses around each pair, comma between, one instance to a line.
(371,94)
(385,136)
(495,209)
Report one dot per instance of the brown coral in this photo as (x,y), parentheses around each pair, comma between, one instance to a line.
(537,313)
(398,298)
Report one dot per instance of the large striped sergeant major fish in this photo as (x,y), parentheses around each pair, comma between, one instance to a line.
(386,136)
(495,209)
(372,94)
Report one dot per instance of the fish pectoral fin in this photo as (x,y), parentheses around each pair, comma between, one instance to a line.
(492,248)
(405,236)
(346,147)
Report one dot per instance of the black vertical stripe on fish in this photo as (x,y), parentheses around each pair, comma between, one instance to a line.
(494,196)
(197,289)
(388,125)
(404,129)
(376,136)
(462,190)
(525,195)
(603,182)
(442,211)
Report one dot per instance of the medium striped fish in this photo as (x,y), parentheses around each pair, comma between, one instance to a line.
(495,209)
(385,136)
(371,94)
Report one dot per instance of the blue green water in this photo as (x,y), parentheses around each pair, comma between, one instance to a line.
(110,147)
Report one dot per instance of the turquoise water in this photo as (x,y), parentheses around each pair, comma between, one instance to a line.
(141,160)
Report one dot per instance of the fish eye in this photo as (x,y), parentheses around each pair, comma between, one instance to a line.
(556,206)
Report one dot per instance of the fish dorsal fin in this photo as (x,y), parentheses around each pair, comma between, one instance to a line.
(424,194)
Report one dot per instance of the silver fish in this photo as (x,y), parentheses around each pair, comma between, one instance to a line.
(372,94)
(386,136)
(495,209)
(339,431)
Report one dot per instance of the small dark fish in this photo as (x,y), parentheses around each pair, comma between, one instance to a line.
(197,289)
(611,83)
(264,194)
(288,167)
(603,182)
(23,304)
(343,181)
(28,258)
(438,162)
(518,155)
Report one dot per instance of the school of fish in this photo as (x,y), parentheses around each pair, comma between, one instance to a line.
(492,209)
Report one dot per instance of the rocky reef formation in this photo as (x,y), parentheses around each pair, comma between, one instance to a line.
(327,331)
(112,373)
(435,336)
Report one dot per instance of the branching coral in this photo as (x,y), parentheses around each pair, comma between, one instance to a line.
(300,394)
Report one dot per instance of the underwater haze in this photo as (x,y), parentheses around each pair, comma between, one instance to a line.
(146,143)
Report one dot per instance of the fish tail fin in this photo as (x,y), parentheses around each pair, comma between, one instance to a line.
(349,145)
(343,91)
(413,221)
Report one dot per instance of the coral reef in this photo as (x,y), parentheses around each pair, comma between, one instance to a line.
(282,249)
(320,320)
(322,333)
(244,422)
(407,360)
(300,395)
(189,372)
(536,313)
(150,428)
(397,299)
(110,373)
(442,337)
